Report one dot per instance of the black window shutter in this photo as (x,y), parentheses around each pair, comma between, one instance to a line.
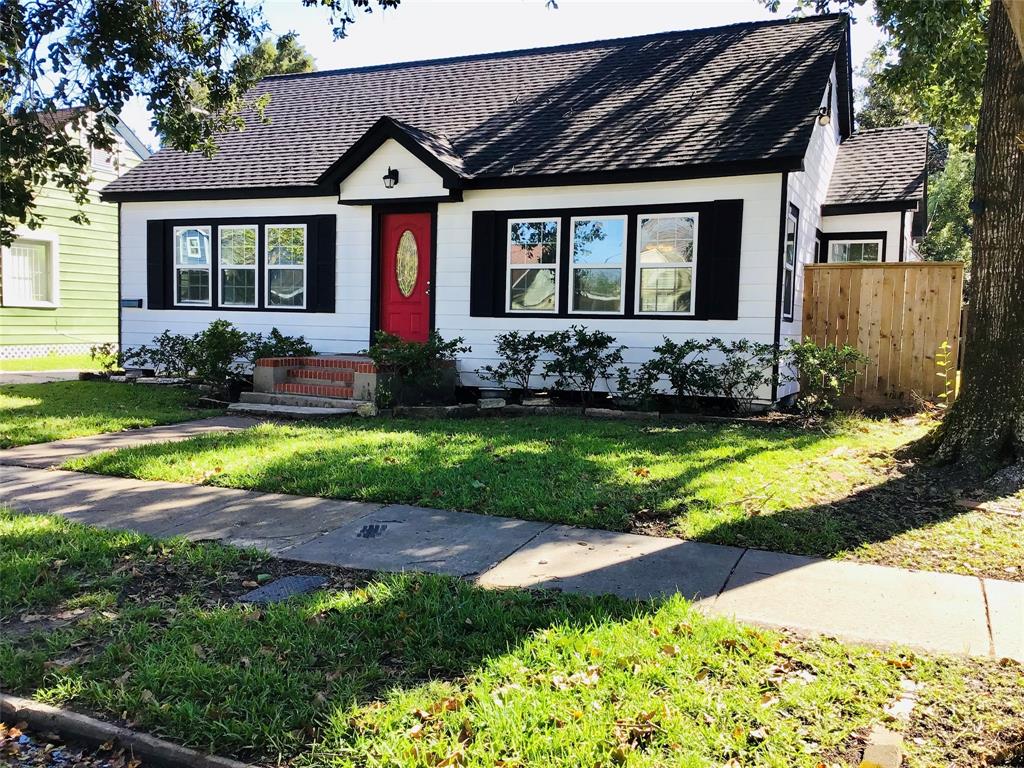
(158,272)
(483,276)
(324,264)
(721,289)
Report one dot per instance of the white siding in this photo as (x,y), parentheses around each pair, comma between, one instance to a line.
(807,191)
(414,178)
(888,222)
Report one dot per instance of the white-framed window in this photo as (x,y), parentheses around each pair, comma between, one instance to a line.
(666,263)
(30,271)
(854,251)
(597,264)
(286,265)
(532,265)
(237,264)
(789,262)
(192,259)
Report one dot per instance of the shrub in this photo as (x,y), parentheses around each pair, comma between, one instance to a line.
(221,354)
(519,353)
(824,372)
(746,367)
(579,358)
(169,355)
(279,345)
(683,364)
(106,356)
(414,372)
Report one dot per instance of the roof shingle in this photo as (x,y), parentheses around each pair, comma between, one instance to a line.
(735,94)
(881,165)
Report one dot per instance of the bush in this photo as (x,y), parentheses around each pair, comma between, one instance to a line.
(519,353)
(221,356)
(824,374)
(747,366)
(579,358)
(106,356)
(684,365)
(414,372)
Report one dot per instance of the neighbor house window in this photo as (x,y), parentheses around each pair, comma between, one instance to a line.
(789,262)
(192,259)
(597,264)
(237,261)
(666,256)
(286,265)
(854,251)
(532,265)
(30,272)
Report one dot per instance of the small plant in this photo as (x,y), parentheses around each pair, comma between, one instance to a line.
(638,387)
(106,356)
(519,353)
(170,354)
(413,371)
(824,372)
(220,355)
(746,367)
(945,361)
(279,345)
(580,358)
(683,364)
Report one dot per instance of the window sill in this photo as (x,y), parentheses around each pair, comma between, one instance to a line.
(32,304)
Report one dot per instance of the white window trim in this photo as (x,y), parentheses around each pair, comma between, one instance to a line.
(52,241)
(621,266)
(179,267)
(509,267)
(691,265)
(857,241)
(788,317)
(254,268)
(267,266)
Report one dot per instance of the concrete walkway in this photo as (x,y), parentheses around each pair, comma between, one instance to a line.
(869,603)
(37,377)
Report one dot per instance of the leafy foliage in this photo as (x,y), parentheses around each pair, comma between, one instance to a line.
(580,358)
(684,365)
(106,356)
(745,368)
(824,372)
(412,371)
(950,221)
(518,354)
(277,344)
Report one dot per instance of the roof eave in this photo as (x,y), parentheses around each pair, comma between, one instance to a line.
(874,206)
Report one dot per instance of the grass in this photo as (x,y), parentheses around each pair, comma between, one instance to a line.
(82,362)
(432,671)
(38,413)
(808,492)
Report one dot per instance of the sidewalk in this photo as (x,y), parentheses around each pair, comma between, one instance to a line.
(867,603)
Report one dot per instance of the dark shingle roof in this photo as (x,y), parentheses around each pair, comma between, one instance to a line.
(737,94)
(881,165)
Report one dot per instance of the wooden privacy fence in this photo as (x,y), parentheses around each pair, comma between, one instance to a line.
(897,314)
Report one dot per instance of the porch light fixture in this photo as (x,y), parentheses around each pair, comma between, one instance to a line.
(825,111)
(391,178)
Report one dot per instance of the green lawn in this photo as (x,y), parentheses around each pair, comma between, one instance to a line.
(431,671)
(51,363)
(807,492)
(38,413)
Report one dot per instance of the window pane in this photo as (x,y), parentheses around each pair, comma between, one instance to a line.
(599,241)
(666,290)
(838,253)
(667,239)
(791,226)
(238,287)
(286,287)
(238,245)
(533,242)
(27,269)
(870,252)
(286,245)
(192,246)
(597,290)
(787,292)
(532,289)
(193,286)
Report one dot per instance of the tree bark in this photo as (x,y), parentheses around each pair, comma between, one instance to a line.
(986,422)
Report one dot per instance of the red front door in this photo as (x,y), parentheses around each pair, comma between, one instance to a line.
(405,261)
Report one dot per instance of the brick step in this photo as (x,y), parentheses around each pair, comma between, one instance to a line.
(304,401)
(321,375)
(317,390)
(354,363)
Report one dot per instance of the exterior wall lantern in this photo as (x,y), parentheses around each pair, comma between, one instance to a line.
(391,178)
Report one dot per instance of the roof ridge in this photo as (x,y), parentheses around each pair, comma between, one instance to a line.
(553,48)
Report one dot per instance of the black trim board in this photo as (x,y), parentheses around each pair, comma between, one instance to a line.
(377,213)
(903,235)
(777,336)
(828,237)
(455,196)
(888,206)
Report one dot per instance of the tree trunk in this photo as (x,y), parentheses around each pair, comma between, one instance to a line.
(986,423)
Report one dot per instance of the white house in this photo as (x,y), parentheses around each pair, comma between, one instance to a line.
(665,185)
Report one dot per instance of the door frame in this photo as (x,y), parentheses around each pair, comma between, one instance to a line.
(377,213)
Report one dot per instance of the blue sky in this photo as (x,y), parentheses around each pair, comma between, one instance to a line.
(425,29)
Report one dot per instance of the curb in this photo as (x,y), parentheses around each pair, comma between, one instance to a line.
(92,731)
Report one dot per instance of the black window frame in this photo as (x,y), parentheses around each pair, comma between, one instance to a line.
(789,297)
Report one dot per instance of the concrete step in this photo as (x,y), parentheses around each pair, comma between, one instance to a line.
(317,390)
(298,401)
(321,375)
(289,411)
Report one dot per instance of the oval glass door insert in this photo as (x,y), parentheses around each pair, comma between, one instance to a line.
(407,263)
